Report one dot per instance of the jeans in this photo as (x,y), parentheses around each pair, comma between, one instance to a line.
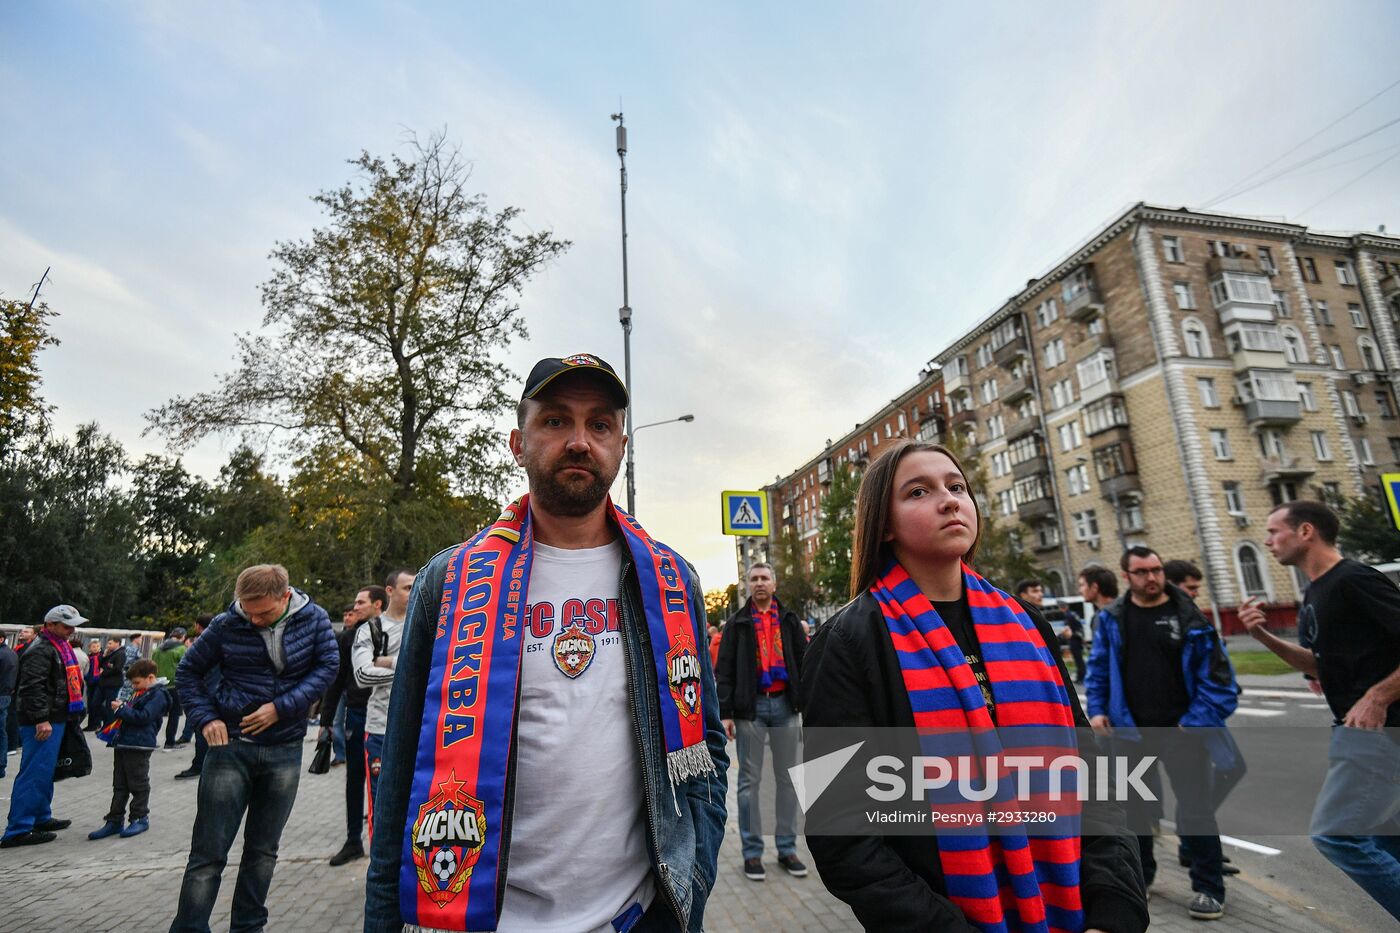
(374,755)
(4,733)
(172,721)
(131,777)
(1188,766)
(775,721)
(338,730)
(31,797)
(239,777)
(1356,822)
(354,752)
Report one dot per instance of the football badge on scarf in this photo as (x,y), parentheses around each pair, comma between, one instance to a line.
(447,839)
(573,651)
(683,672)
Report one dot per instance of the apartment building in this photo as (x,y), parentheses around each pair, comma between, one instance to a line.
(1170,381)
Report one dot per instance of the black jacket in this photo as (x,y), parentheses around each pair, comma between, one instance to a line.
(344,684)
(895,883)
(42,695)
(736,673)
(113,669)
(9,670)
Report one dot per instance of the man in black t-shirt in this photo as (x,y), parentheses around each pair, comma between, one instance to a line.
(1349,627)
(1159,678)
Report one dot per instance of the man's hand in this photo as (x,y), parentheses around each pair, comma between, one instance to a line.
(1252,616)
(1314,685)
(728,727)
(116,705)
(385,662)
(1100,725)
(1366,713)
(259,720)
(323,733)
(42,731)
(215,733)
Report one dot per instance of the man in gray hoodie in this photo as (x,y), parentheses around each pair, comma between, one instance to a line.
(372,659)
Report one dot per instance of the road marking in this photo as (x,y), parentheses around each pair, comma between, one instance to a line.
(1273,703)
(1244,711)
(1281,694)
(1316,706)
(1238,843)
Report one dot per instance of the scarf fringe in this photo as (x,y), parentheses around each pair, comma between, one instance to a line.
(691,761)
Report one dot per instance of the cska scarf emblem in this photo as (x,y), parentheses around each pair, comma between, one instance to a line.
(72,672)
(450,871)
(1017,881)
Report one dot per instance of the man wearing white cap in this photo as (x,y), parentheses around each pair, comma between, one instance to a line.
(49,700)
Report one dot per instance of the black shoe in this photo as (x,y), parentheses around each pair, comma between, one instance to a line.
(348,853)
(1226,866)
(1205,907)
(186,774)
(169,746)
(181,743)
(52,825)
(27,839)
(753,869)
(794,865)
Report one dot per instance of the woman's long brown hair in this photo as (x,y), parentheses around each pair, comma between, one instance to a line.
(869,550)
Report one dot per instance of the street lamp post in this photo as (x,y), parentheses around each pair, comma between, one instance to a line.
(631,477)
(624,314)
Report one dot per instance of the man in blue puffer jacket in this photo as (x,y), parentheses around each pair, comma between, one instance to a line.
(1159,677)
(277,655)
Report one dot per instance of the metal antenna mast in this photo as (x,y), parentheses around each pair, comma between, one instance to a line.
(624,315)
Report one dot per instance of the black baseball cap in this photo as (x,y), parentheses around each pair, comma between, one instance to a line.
(551,368)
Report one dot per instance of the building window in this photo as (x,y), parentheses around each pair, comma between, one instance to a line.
(990,392)
(1047,312)
(1234,499)
(1395,449)
(1219,248)
(1357,318)
(1324,314)
(1069,435)
(1338,361)
(1184,299)
(1197,341)
(1384,403)
(904,423)
(1250,568)
(1364,445)
(889,430)
(1006,501)
(1306,397)
(1349,403)
(1086,525)
(1266,259)
(1346,275)
(1220,443)
(1320,446)
(1370,359)
(1104,414)
(1130,513)
(1293,346)
(875,438)
(1062,393)
(1308,268)
(1171,249)
(1077,479)
(995,427)
(1205,388)
(1281,304)
(1047,535)
(1095,368)
(1054,352)
(1111,461)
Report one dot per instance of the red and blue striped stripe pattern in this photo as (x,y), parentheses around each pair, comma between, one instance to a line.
(1012,881)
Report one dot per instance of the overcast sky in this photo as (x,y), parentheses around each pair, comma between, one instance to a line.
(822,195)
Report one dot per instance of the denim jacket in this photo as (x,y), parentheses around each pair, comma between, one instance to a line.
(686,824)
(1206,668)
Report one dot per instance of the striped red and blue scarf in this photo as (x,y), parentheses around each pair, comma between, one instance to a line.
(1012,881)
(451,868)
(112,732)
(768,635)
(72,672)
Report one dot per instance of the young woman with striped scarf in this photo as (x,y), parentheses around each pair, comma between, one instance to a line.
(928,643)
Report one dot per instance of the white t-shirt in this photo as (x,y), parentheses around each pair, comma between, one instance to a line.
(578,852)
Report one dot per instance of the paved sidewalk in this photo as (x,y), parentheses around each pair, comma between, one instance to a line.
(76,886)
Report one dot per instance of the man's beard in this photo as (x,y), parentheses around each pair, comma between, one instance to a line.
(569,498)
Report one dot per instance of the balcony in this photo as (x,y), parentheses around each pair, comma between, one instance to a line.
(1120,485)
(1390,286)
(1041,547)
(1245,358)
(1240,291)
(1246,265)
(1090,345)
(954,381)
(1268,411)
(1036,509)
(1017,389)
(824,471)
(1008,353)
(1097,376)
(1037,464)
(1080,293)
(966,416)
(1256,346)
(1022,426)
(1284,467)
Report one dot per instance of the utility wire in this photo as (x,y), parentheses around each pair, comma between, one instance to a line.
(1348,184)
(1230,191)
(1308,161)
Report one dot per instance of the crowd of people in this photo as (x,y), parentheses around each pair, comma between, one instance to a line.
(536,723)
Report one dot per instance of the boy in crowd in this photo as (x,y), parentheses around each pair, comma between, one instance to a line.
(138,722)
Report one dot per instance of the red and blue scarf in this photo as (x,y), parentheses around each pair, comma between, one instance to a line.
(1012,881)
(111,732)
(772,666)
(72,672)
(451,868)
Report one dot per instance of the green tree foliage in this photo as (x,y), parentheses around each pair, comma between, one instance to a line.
(1368,532)
(796,588)
(832,563)
(24,331)
(1001,554)
(382,334)
(721,604)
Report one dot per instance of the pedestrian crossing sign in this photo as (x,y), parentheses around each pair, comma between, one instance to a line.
(744,512)
(1391,483)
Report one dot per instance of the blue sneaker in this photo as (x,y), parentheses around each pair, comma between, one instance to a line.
(108,829)
(136,828)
